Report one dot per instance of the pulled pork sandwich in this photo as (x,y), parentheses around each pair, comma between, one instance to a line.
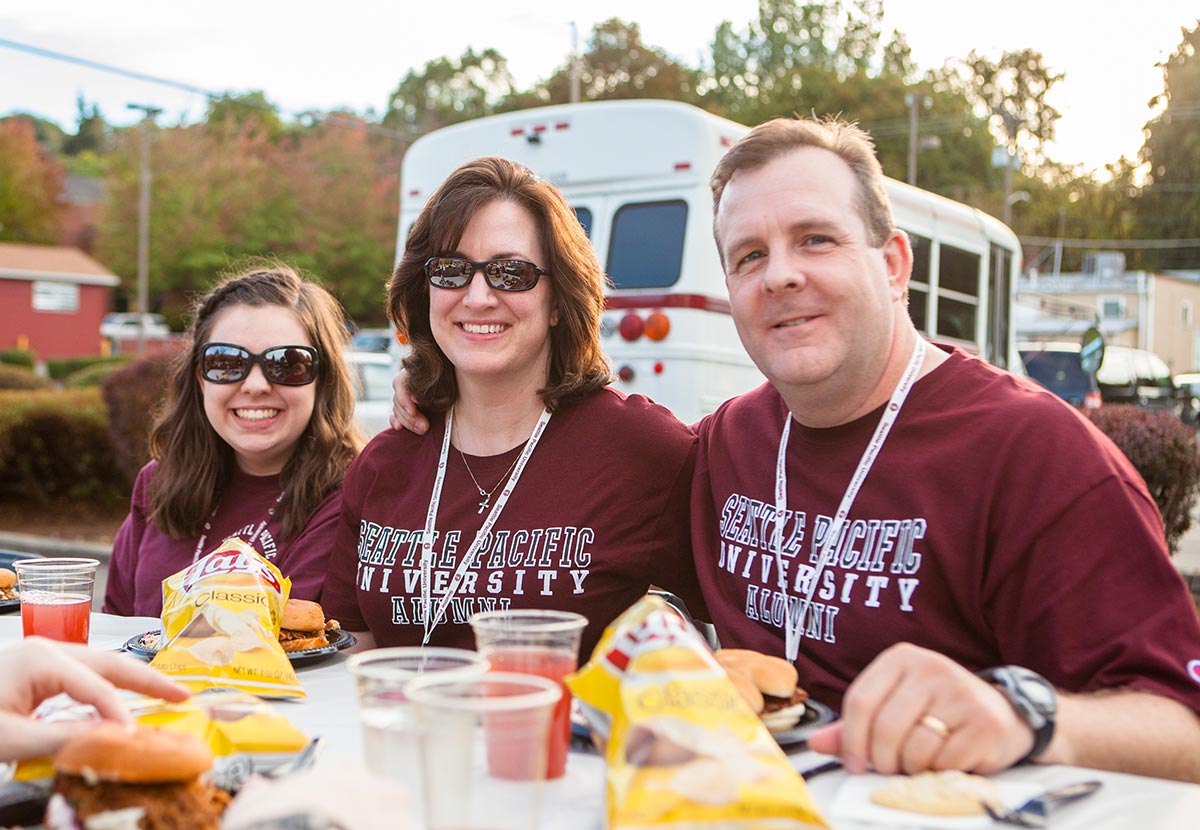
(767,684)
(119,777)
(8,584)
(303,626)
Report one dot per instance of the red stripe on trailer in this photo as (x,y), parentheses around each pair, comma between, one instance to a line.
(683,165)
(697,301)
(563,125)
(517,131)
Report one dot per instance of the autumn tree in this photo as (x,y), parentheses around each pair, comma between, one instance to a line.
(1170,206)
(31,206)
(446,91)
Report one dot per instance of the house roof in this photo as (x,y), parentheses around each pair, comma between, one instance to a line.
(52,263)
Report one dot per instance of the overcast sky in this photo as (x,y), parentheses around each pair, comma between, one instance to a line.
(306,55)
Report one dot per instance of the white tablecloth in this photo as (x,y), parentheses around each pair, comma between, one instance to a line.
(576,801)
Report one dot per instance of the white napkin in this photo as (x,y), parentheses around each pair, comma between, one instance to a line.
(853,802)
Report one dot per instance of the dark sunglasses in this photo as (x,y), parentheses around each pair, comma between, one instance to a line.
(285,365)
(501,274)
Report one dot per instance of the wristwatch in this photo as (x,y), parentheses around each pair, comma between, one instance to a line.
(1034,699)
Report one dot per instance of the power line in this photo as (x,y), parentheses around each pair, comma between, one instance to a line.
(330,118)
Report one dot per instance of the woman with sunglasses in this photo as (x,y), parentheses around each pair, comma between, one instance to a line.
(537,485)
(256,434)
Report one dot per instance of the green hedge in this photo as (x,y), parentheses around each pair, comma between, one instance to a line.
(90,375)
(16,377)
(60,368)
(17,357)
(1165,452)
(54,446)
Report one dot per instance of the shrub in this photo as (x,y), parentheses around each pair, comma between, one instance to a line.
(90,375)
(14,377)
(54,446)
(61,367)
(1164,451)
(17,357)
(133,395)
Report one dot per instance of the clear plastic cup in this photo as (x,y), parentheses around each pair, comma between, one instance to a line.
(56,597)
(483,748)
(540,642)
(390,740)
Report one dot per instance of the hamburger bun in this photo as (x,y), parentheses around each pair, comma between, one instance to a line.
(302,615)
(134,755)
(8,579)
(746,688)
(772,675)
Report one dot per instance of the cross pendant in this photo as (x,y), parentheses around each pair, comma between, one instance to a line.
(483,505)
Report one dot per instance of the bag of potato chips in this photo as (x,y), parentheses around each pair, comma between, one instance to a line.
(221,624)
(683,749)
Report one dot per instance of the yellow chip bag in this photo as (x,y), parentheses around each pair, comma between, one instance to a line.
(229,722)
(683,749)
(221,624)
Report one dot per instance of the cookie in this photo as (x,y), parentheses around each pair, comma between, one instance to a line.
(945,793)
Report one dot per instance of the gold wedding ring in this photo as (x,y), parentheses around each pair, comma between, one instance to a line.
(935,725)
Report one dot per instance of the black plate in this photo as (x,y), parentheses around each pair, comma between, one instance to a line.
(10,606)
(815,714)
(338,640)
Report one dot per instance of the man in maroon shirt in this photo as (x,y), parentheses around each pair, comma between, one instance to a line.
(903,568)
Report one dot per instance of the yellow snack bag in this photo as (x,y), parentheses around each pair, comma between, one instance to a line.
(221,624)
(229,722)
(683,749)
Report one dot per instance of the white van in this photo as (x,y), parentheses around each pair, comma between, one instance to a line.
(637,173)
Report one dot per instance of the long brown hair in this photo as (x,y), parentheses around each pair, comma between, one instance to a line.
(194,463)
(578,366)
(780,136)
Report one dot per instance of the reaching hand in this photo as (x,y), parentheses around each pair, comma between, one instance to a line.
(404,408)
(913,709)
(37,669)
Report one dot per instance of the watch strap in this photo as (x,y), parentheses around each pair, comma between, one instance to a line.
(1034,699)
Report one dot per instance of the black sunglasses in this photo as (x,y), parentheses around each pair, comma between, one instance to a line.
(501,274)
(285,365)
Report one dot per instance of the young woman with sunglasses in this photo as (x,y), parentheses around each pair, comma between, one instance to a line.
(256,434)
(537,486)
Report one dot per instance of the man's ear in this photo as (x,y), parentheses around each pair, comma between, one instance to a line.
(898,262)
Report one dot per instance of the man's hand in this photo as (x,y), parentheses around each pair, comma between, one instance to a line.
(37,669)
(913,709)
(404,409)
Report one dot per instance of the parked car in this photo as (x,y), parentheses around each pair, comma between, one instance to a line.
(371,374)
(1126,375)
(1189,391)
(372,340)
(124,326)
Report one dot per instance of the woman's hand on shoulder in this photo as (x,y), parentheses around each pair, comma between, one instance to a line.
(404,408)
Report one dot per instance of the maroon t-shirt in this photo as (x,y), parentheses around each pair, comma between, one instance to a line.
(997,526)
(599,513)
(143,556)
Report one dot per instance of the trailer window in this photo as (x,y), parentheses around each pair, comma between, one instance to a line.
(584,215)
(646,250)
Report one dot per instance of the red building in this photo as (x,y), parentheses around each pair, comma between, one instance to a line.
(52,300)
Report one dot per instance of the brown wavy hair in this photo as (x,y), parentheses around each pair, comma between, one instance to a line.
(195,463)
(578,366)
(779,136)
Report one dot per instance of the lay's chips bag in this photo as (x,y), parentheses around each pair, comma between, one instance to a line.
(683,749)
(221,624)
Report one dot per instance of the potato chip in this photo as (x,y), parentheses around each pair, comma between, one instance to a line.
(683,748)
(221,620)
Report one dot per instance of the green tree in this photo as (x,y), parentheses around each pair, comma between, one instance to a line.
(238,110)
(1170,204)
(91,131)
(31,206)
(1012,91)
(447,91)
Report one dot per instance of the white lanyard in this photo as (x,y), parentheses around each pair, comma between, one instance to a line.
(208,526)
(793,632)
(432,620)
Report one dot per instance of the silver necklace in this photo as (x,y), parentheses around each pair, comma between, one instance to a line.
(487,494)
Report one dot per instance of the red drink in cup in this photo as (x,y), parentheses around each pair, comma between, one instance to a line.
(60,617)
(552,665)
(541,643)
(56,597)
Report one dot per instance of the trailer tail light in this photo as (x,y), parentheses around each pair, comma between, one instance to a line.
(631,326)
(1092,400)
(657,325)
(658,368)
(625,373)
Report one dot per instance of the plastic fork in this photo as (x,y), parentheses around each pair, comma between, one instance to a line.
(1034,812)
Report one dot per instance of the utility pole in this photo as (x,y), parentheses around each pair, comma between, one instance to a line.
(1011,124)
(574,63)
(1058,245)
(914,102)
(143,253)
